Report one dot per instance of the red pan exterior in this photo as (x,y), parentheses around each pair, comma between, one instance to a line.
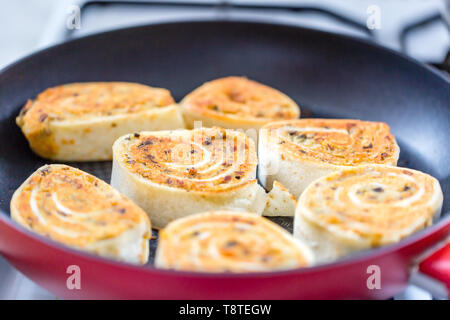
(46,263)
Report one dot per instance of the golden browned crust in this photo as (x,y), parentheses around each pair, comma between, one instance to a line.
(84,101)
(335,141)
(207,159)
(228,241)
(380,203)
(238,98)
(73,207)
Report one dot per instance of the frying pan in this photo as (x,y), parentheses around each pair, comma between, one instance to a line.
(327,74)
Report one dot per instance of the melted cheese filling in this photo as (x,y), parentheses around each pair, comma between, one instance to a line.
(76,208)
(339,142)
(204,159)
(230,243)
(242,98)
(89,101)
(373,201)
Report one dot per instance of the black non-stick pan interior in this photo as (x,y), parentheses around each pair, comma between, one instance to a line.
(326,74)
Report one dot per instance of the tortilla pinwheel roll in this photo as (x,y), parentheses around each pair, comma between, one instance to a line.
(81,121)
(79,210)
(365,207)
(225,241)
(172,174)
(237,103)
(297,152)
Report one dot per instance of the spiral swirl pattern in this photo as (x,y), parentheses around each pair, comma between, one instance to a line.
(197,160)
(335,141)
(76,208)
(297,152)
(81,121)
(229,241)
(204,169)
(84,101)
(380,204)
(237,102)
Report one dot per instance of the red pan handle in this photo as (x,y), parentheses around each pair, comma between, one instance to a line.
(437,266)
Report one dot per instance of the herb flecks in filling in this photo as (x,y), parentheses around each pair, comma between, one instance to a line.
(241,97)
(205,159)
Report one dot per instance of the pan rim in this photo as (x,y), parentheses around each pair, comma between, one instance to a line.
(231,20)
(358,258)
(443,223)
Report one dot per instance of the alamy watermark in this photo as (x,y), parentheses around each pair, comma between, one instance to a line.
(373,21)
(73,281)
(374,280)
(73,20)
